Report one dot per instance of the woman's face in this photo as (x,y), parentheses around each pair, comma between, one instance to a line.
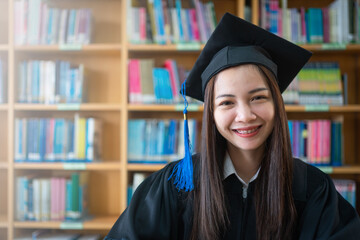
(243,107)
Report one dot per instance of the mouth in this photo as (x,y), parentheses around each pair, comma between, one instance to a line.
(247,132)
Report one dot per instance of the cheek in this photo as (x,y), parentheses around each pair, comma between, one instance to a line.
(222,119)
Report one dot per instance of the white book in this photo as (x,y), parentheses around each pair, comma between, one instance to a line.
(63,26)
(45,199)
(43,82)
(44,23)
(37,199)
(138,178)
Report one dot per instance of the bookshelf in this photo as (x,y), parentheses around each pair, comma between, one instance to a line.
(106,64)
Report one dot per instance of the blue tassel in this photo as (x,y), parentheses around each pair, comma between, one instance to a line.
(183,170)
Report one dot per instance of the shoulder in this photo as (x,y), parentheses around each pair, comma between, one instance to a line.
(162,177)
(307,179)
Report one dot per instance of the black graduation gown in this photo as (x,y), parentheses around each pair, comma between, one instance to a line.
(159,211)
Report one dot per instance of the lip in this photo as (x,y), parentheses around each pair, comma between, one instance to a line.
(247,135)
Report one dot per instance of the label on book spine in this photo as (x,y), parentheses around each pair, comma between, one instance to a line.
(317,108)
(67,107)
(333,46)
(70,47)
(327,170)
(71,225)
(188,46)
(74,166)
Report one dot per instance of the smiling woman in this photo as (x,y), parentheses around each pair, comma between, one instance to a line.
(244,115)
(244,183)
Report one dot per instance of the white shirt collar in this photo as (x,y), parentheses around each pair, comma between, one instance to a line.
(230,169)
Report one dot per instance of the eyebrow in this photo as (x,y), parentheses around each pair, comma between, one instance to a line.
(250,92)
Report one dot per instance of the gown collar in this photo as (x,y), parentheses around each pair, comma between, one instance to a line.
(230,169)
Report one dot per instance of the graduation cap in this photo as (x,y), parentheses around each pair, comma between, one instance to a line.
(235,42)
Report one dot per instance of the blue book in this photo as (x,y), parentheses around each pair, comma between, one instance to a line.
(49,25)
(136,139)
(159,21)
(42,138)
(68,203)
(70,141)
(178,13)
(160,137)
(290,124)
(59,139)
(156,83)
(71,27)
(30,207)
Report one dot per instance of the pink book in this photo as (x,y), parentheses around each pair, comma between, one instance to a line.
(318,141)
(327,151)
(309,142)
(326,24)
(171,67)
(134,81)
(142,21)
(62,197)
(194,25)
(201,21)
(303,25)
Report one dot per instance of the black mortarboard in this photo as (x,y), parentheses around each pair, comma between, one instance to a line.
(235,42)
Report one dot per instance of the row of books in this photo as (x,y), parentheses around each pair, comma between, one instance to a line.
(170,21)
(150,84)
(158,141)
(58,139)
(52,199)
(319,142)
(317,83)
(35,23)
(50,82)
(347,189)
(336,23)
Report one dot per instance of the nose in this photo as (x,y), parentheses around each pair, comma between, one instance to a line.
(244,113)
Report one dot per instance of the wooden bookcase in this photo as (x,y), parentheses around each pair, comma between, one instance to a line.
(106,60)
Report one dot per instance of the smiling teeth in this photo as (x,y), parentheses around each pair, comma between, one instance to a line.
(247,131)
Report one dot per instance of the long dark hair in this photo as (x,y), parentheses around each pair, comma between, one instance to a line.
(274,205)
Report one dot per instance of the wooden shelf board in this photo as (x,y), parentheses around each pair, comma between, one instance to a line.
(3,221)
(98,223)
(337,109)
(164,48)
(331,47)
(69,166)
(346,170)
(4,47)
(164,107)
(144,167)
(68,107)
(70,48)
(3,165)
(4,107)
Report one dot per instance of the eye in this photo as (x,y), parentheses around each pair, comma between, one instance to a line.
(257,98)
(225,103)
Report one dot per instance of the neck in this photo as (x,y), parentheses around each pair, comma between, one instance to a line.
(246,163)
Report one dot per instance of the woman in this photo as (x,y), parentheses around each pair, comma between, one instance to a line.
(245,183)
